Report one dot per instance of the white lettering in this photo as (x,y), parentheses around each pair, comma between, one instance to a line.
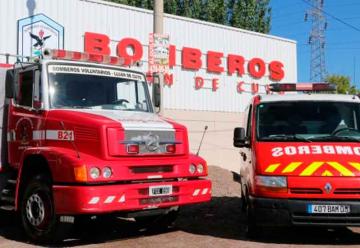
(343,150)
(303,150)
(290,150)
(329,149)
(277,152)
(356,150)
(316,150)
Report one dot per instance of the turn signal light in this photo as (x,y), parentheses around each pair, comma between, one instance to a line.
(80,173)
(133,148)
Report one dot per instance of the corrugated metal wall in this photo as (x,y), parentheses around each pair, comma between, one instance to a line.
(118,21)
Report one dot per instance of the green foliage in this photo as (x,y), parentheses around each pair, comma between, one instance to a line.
(342,83)
(253,15)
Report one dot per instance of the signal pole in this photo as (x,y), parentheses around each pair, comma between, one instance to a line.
(158,29)
(317,40)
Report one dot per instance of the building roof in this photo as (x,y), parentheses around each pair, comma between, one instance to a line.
(310,97)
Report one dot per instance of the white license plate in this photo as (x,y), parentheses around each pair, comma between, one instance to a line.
(160,190)
(328,209)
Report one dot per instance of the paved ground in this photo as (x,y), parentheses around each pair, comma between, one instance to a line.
(215,224)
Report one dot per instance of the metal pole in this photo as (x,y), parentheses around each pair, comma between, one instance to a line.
(158,29)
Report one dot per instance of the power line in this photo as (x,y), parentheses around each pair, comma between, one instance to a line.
(332,16)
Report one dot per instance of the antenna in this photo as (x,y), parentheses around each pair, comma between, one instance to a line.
(317,39)
(205,128)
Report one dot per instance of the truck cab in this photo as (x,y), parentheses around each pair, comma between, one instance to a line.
(81,137)
(300,158)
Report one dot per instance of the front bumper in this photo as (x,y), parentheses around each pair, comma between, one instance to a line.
(98,199)
(291,212)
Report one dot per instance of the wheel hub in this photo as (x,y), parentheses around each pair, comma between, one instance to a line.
(35,210)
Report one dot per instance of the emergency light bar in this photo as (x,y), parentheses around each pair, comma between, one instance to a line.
(302,87)
(88,57)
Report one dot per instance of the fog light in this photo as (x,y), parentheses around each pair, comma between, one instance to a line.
(200,168)
(106,172)
(192,168)
(94,173)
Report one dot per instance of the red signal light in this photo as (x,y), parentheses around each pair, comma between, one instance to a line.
(170,148)
(133,148)
(278,87)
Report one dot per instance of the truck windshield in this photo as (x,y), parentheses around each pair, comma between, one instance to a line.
(72,86)
(308,121)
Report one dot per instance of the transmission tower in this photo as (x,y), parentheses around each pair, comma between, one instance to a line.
(317,40)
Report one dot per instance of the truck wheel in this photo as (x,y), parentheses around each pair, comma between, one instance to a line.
(251,228)
(38,212)
(158,222)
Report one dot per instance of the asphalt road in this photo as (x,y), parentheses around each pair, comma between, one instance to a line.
(218,223)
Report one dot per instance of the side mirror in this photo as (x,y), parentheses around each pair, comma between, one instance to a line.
(239,137)
(10,84)
(37,103)
(156,95)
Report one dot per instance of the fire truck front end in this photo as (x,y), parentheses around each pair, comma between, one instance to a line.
(301,159)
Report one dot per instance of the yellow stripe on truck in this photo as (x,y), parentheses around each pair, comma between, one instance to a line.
(291,167)
(311,168)
(271,168)
(356,165)
(344,171)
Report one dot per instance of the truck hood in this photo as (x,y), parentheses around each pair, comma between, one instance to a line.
(308,159)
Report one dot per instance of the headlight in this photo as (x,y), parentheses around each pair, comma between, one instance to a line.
(106,172)
(271,182)
(192,168)
(94,173)
(200,168)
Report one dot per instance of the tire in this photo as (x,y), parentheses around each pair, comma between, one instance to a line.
(158,222)
(252,230)
(38,215)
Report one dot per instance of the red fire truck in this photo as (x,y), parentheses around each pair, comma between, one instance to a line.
(81,137)
(300,158)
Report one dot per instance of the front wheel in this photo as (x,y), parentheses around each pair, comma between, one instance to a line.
(38,212)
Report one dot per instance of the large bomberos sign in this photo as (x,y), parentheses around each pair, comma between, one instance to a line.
(192,59)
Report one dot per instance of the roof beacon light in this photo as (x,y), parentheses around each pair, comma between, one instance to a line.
(302,87)
(88,57)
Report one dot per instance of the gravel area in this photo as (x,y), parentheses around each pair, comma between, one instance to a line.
(218,223)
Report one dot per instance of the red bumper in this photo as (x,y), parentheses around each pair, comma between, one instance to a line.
(97,199)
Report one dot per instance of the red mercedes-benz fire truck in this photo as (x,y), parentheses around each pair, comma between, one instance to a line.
(301,158)
(80,137)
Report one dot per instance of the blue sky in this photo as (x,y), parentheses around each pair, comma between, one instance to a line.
(342,49)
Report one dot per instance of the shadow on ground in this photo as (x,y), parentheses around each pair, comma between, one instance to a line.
(220,218)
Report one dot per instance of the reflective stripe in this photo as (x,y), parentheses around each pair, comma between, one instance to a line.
(39,135)
(340,168)
(196,192)
(94,200)
(356,165)
(204,191)
(110,199)
(272,168)
(291,167)
(311,168)
(327,173)
(122,198)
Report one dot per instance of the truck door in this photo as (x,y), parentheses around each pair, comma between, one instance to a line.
(246,166)
(25,122)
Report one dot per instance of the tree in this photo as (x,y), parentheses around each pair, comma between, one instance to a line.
(342,83)
(253,15)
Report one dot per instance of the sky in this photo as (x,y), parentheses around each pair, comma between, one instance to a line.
(342,48)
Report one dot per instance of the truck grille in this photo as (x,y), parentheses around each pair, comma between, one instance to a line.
(347,191)
(152,169)
(87,134)
(305,191)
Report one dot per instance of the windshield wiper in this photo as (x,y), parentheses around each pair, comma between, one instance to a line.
(334,138)
(293,137)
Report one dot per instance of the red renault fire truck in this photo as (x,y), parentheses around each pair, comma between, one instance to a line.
(80,137)
(300,158)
